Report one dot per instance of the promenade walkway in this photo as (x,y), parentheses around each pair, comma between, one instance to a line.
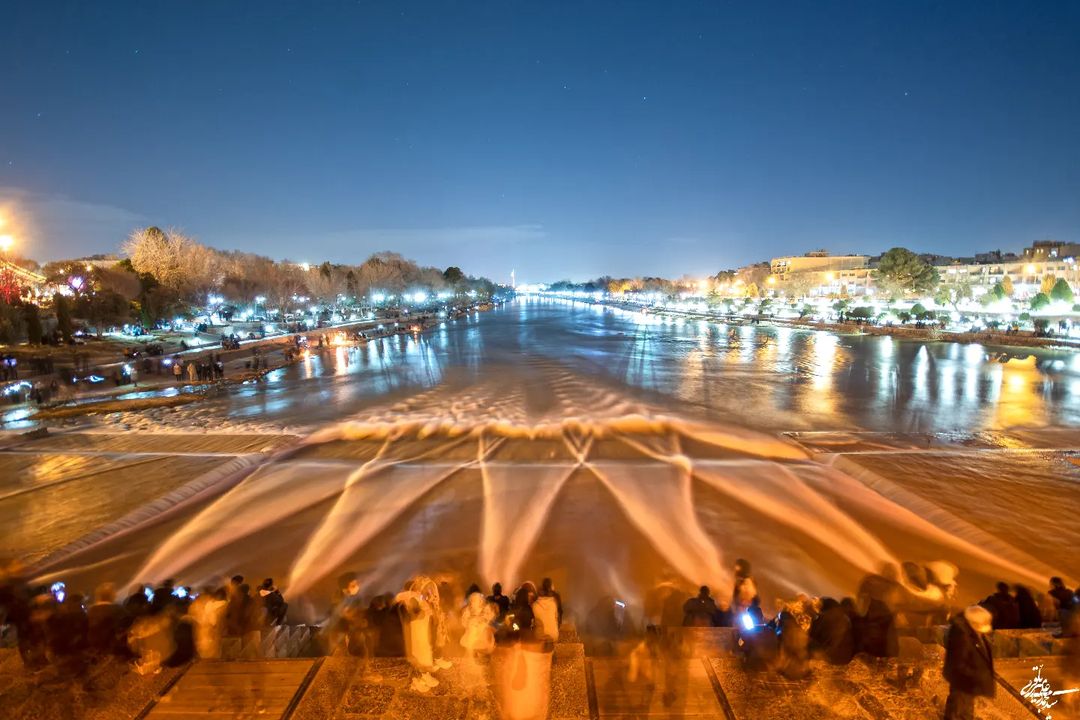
(338,688)
(266,688)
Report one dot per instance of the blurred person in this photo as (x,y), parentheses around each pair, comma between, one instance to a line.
(745,590)
(878,635)
(943,575)
(876,627)
(237,609)
(656,601)
(476,619)
(136,604)
(831,633)
(919,601)
(184,636)
(244,619)
(671,612)
(337,624)
(547,614)
(357,629)
(701,610)
(523,619)
(855,618)
(450,603)
(523,682)
(34,644)
(163,596)
(603,627)
(388,624)
(1064,599)
(417,625)
(429,591)
(151,640)
(15,609)
(754,612)
(208,613)
(969,662)
(500,601)
(273,603)
(1003,608)
(105,632)
(66,632)
(793,627)
(547,589)
(1030,615)
(477,640)
(653,664)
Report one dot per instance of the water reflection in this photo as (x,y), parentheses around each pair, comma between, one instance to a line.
(778,377)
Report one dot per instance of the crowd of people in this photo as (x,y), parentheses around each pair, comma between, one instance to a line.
(429,621)
(887,606)
(433,623)
(151,627)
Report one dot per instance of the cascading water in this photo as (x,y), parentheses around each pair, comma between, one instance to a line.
(534,466)
(605,505)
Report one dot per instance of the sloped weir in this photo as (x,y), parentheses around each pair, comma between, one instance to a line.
(604,507)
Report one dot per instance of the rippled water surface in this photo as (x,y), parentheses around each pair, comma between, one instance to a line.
(605,448)
(763,376)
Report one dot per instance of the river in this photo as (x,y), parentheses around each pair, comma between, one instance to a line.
(607,449)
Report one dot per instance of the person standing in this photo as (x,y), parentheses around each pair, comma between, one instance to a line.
(548,612)
(416,622)
(1064,599)
(500,601)
(969,662)
(745,590)
(208,613)
(700,611)
(178,370)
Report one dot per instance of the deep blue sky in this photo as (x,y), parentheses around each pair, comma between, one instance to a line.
(560,139)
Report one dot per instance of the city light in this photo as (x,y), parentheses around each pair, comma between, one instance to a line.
(6,243)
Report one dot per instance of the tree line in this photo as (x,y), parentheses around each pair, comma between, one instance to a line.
(166,274)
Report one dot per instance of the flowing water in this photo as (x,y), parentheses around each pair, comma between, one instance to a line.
(610,450)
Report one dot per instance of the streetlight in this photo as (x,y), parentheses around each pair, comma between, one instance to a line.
(6,243)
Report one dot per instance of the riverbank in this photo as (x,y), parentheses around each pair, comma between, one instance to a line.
(902,332)
(148,390)
(158,390)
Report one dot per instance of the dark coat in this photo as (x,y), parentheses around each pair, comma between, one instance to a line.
(1063,597)
(969,660)
(794,647)
(66,629)
(105,629)
(832,635)
(502,603)
(1030,617)
(699,612)
(1004,609)
(877,631)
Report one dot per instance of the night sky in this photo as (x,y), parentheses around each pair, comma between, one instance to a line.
(559,139)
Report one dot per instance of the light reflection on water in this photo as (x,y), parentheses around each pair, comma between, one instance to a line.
(764,376)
